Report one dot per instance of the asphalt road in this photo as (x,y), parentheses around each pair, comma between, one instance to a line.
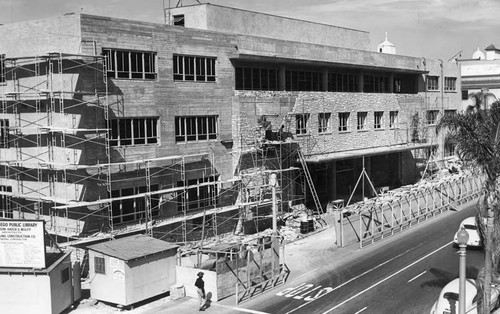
(403,274)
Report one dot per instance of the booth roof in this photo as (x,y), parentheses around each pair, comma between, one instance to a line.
(132,247)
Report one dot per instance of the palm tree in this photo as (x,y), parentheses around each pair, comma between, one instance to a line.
(480,100)
(476,134)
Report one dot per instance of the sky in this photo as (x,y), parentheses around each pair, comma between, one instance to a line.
(438,29)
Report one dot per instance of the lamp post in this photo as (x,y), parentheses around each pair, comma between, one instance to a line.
(273,182)
(463,238)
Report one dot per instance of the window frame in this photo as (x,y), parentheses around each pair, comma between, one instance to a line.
(99,265)
(301,121)
(65,274)
(324,122)
(191,68)
(129,131)
(432,83)
(378,120)
(393,119)
(121,63)
(197,195)
(344,123)
(196,128)
(431,117)
(362,118)
(133,209)
(450,84)
(244,78)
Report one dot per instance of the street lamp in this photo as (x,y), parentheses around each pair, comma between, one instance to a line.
(463,238)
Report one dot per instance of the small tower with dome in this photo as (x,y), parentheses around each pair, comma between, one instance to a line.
(478,55)
(386,46)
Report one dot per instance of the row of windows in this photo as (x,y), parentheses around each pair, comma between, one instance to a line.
(133,209)
(325,121)
(450,83)
(143,131)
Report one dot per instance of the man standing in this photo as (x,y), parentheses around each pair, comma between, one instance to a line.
(200,284)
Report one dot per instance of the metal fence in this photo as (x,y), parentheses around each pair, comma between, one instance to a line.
(405,207)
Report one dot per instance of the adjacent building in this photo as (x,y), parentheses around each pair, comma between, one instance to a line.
(481,73)
(112,126)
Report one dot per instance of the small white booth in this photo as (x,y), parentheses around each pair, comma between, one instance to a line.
(131,269)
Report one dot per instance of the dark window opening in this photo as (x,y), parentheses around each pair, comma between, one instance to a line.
(178,20)
(130,64)
(196,128)
(199,193)
(99,265)
(136,131)
(134,209)
(194,68)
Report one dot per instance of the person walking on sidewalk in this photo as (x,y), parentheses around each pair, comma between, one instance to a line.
(200,284)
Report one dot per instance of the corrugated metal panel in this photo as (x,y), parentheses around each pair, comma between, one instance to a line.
(133,247)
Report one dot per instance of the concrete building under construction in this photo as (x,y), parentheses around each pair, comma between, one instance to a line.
(112,126)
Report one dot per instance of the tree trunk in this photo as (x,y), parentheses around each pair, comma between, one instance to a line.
(489,199)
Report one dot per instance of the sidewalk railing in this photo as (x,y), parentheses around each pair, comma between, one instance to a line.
(405,207)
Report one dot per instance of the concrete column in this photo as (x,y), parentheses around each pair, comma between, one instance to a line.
(360,81)
(391,83)
(325,80)
(282,78)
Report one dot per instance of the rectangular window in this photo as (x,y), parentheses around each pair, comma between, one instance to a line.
(199,193)
(301,123)
(133,209)
(432,83)
(375,84)
(393,119)
(65,273)
(4,133)
(342,82)
(133,131)
(449,149)
(130,64)
(2,69)
(303,81)
(178,20)
(450,84)
(5,202)
(99,265)
(343,121)
(465,94)
(378,119)
(362,120)
(196,128)
(324,122)
(248,78)
(194,68)
(432,116)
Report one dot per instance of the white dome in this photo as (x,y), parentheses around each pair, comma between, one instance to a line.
(478,55)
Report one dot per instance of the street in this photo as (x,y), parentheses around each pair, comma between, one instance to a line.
(400,275)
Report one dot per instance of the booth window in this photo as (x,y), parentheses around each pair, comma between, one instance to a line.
(99,265)
(65,275)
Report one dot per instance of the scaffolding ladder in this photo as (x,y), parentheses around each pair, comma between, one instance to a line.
(318,210)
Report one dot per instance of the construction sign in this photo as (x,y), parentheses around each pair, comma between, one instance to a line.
(22,243)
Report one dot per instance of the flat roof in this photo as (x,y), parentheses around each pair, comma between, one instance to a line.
(133,247)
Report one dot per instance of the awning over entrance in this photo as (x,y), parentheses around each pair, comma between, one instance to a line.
(365,152)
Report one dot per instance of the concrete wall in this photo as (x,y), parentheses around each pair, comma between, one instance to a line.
(231,20)
(59,34)
(187,276)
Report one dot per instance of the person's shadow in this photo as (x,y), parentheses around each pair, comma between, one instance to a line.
(208,301)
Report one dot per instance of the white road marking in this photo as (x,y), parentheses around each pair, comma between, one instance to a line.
(361,310)
(308,272)
(358,276)
(417,276)
(387,278)
(240,309)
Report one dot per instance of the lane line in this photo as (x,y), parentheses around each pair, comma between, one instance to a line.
(361,310)
(308,272)
(358,276)
(240,309)
(387,278)
(417,276)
